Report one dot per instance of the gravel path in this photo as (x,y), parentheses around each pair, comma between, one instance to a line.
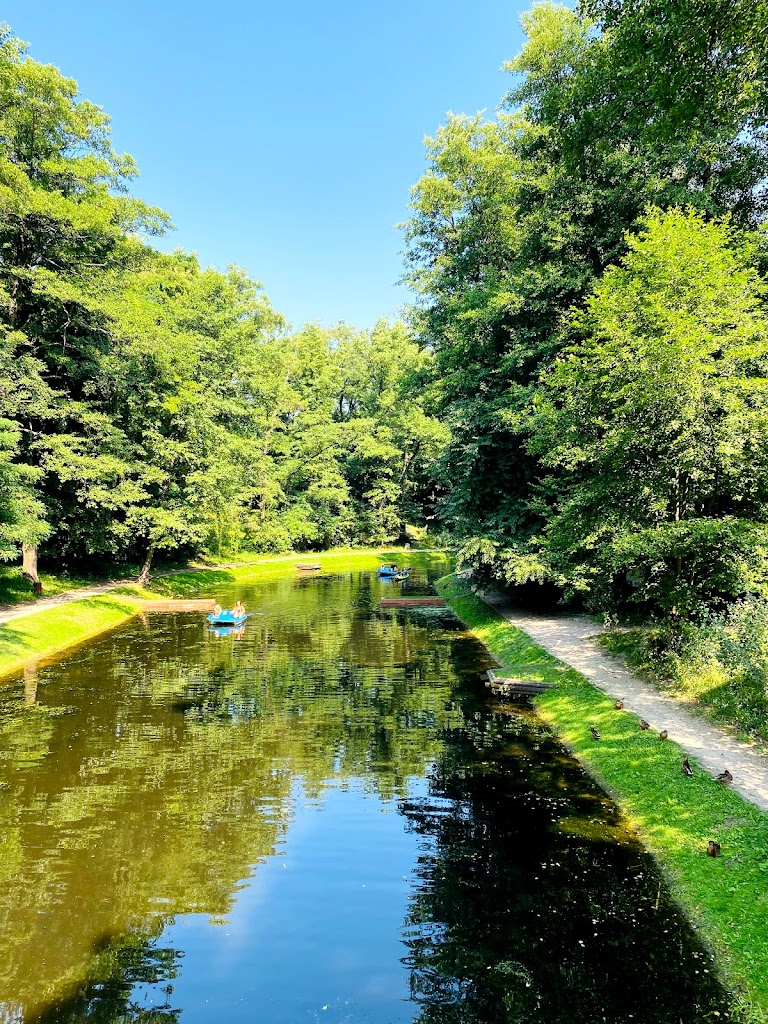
(569,638)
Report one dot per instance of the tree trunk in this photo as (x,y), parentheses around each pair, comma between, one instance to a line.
(29,566)
(144,574)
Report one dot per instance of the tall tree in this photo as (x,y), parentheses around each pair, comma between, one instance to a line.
(654,424)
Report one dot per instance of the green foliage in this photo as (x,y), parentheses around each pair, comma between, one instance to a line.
(719,660)
(591,289)
(654,423)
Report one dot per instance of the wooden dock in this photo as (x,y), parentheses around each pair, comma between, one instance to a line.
(412,602)
(309,567)
(206,604)
(505,687)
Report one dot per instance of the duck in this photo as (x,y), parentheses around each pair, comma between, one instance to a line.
(687,770)
(713,848)
(663,735)
(619,705)
(644,724)
(595,733)
(725,777)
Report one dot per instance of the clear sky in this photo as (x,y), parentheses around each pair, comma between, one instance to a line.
(282,135)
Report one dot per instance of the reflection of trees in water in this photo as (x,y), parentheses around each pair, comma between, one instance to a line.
(121,969)
(527,909)
(155,769)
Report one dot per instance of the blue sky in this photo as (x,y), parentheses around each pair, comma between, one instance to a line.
(282,136)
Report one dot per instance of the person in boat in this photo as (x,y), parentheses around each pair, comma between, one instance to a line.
(239,610)
(217,610)
(393,567)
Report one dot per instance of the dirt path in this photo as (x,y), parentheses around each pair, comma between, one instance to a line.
(569,639)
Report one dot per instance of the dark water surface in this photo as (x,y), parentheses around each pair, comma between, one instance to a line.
(322,819)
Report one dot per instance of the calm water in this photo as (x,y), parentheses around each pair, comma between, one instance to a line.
(322,819)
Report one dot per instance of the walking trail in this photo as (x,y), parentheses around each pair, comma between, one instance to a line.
(570,639)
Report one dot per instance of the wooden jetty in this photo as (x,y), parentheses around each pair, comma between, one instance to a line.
(205,604)
(505,687)
(412,602)
(309,566)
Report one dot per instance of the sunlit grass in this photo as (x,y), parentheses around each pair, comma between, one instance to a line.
(727,897)
(50,630)
(206,582)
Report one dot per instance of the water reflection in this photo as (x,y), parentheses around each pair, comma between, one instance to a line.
(237,827)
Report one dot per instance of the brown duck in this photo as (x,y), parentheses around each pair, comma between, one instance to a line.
(644,724)
(595,733)
(619,705)
(725,777)
(663,735)
(713,848)
(687,770)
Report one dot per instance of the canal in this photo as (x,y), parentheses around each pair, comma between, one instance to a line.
(319,818)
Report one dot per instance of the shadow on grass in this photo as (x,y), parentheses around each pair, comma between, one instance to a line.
(193,583)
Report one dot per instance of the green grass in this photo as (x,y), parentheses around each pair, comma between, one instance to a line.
(46,632)
(725,898)
(15,589)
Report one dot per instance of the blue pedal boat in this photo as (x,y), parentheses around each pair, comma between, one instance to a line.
(387,571)
(227,619)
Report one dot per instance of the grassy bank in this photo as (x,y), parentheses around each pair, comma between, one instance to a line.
(44,633)
(726,898)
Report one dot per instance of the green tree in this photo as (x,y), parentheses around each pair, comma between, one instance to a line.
(66,222)
(653,425)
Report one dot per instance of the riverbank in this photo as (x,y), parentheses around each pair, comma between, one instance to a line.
(43,634)
(44,631)
(675,816)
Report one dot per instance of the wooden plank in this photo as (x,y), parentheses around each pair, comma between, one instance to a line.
(412,602)
(309,568)
(181,605)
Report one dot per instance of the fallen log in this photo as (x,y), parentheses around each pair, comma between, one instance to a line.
(506,687)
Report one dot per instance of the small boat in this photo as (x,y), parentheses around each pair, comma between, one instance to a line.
(388,571)
(309,566)
(236,631)
(226,619)
(404,574)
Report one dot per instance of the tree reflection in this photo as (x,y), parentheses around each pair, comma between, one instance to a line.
(156,768)
(120,967)
(533,905)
